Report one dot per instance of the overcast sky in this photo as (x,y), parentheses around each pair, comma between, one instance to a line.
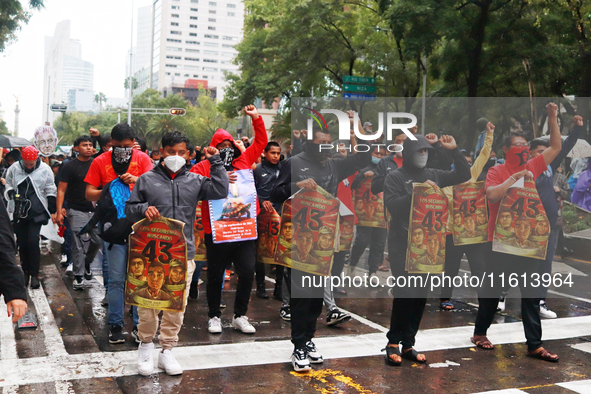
(103,28)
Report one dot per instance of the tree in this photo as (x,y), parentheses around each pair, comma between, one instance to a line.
(100,98)
(12,18)
(134,83)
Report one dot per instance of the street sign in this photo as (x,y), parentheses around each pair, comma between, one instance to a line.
(352,79)
(359,88)
(359,97)
(59,107)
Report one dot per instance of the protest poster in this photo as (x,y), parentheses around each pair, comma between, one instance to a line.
(307,238)
(200,251)
(45,140)
(346,231)
(269,224)
(233,218)
(470,214)
(522,227)
(369,207)
(425,252)
(157,265)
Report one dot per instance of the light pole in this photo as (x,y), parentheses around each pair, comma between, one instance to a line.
(130,68)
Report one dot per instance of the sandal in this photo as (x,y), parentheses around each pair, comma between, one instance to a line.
(482,343)
(446,305)
(411,354)
(543,354)
(392,349)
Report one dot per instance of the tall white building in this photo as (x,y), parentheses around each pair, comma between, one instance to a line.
(193,40)
(64,69)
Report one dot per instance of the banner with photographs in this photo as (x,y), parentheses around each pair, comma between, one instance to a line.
(522,226)
(309,223)
(157,265)
(269,224)
(369,207)
(470,215)
(346,232)
(233,218)
(200,251)
(426,231)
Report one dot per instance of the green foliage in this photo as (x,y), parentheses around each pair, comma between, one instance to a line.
(575,219)
(12,18)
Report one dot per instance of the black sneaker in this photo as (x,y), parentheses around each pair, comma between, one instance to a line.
(261,292)
(135,335)
(35,282)
(299,360)
(78,283)
(313,354)
(116,334)
(194,291)
(87,273)
(285,313)
(335,317)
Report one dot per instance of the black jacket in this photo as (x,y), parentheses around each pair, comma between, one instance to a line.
(360,177)
(328,175)
(398,184)
(12,279)
(265,178)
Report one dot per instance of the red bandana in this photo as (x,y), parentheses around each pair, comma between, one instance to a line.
(30,153)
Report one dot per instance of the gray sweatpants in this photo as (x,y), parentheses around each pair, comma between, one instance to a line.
(79,259)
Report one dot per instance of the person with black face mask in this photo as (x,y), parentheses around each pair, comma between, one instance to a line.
(409,302)
(127,164)
(31,192)
(307,170)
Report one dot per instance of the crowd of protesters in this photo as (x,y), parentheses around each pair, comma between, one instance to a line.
(118,169)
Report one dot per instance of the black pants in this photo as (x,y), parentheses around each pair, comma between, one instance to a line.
(497,263)
(376,239)
(338,263)
(242,254)
(260,273)
(546,264)
(476,254)
(409,302)
(27,239)
(304,311)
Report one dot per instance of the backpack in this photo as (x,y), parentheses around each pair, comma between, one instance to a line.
(114,227)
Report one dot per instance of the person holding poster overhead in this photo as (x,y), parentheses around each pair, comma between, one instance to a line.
(465,226)
(312,168)
(409,302)
(498,181)
(169,190)
(241,253)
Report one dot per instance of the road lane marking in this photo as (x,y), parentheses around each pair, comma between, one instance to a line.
(53,339)
(580,387)
(7,339)
(320,380)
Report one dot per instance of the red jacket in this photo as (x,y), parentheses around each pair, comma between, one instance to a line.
(243,162)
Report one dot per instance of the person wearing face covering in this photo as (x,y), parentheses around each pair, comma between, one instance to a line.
(242,253)
(169,190)
(498,181)
(33,181)
(124,164)
(409,303)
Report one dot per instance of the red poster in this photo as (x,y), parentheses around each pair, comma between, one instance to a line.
(522,227)
(369,207)
(157,265)
(311,220)
(200,252)
(426,231)
(470,215)
(346,230)
(269,224)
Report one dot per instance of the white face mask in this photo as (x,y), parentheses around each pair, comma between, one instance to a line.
(174,163)
(419,160)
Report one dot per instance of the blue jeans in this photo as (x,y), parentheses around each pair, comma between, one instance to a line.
(117,260)
(105,266)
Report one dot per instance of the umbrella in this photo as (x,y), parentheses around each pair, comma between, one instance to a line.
(582,149)
(8,141)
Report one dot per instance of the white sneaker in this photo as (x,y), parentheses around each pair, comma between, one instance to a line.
(545,312)
(70,270)
(313,354)
(214,326)
(299,360)
(167,362)
(145,363)
(64,258)
(241,323)
(501,305)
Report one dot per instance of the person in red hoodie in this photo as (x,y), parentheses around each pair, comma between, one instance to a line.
(242,253)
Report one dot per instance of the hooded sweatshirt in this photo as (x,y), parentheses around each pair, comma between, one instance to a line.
(242,160)
(398,184)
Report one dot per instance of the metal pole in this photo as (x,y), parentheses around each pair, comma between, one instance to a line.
(119,115)
(386,96)
(130,68)
(152,46)
(48,87)
(424,94)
